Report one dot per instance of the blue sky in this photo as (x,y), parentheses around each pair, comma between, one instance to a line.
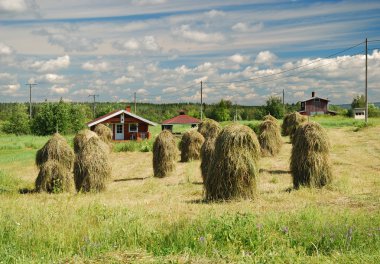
(244,51)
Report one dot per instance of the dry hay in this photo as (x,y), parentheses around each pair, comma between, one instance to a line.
(291,122)
(190,145)
(270,117)
(310,159)
(209,128)
(233,169)
(270,138)
(81,138)
(164,154)
(105,134)
(92,167)
(54,178)
(56,148)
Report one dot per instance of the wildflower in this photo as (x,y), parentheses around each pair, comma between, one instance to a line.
(202,239)
(285,230)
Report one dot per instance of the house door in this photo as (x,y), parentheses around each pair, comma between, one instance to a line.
(119,135)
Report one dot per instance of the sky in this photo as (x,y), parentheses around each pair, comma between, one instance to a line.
(243,51)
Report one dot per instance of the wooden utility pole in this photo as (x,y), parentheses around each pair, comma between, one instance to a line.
(366,80)
(134,100)
(283,100)
(30,98)
(94,104)
(201,101)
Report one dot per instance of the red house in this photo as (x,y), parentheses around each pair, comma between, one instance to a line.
(315,106)
(124,125)
(181,119)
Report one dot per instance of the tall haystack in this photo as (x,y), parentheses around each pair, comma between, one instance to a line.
(92,167)
(310,160)
(190,145)
(270,117)
(233,170)
(56,148)
(209,128)
(164,154)
(104,133)
(54,178)
(270,138)
(291,122)
(55,161)
(81,138)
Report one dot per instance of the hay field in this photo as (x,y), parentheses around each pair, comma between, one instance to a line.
(142,219)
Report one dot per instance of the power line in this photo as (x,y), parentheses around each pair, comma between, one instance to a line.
(30,98)
(94,104)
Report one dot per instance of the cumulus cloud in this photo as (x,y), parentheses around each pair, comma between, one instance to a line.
(169,90)
(142,91)
(265,57)
(186,32)
(238,58)
(5,50)
(96,66)
(214,13)
(12,6)
(245,27)
(148,2)
(51,65)
(9,89)
(59,89)
(123,79)
(52,78)
(147,43)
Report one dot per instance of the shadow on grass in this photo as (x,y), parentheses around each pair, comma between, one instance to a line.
(275,171)
(131,179)
(26,191)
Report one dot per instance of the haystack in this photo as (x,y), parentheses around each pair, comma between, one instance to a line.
(233,170)
(104,133)
(270,117)
(190,145)
(92,167)
(291,122)
(56,148)
(81,138)
(164,154)
(209,128)
(310,160)
(54,178)
(270,138)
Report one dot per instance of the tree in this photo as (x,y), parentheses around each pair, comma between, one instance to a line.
(220,111)
(274,107)
(358,102)
(18,123)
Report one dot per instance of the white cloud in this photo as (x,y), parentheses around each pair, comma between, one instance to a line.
(150,43)
(214,13)
(244,27)
(12,6)
(59,89)
(5,50)
(51,65)
(97,67)
(53,78)
(147,43)
(142,91)
(148,2)
(238,58)
(199,36)
(9,89)
(169,90)
(265,57)
(123,79)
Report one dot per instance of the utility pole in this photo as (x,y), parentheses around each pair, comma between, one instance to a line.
(135,101)
(201,101)
(366,80)
(30,98)
(283,100)
(235,116)
(94,104)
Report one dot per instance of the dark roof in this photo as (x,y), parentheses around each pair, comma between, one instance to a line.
(312,98)
(181,119)
(115,113)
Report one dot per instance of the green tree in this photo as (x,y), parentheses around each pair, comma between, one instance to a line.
(274,107)
(221,112)
(18,122)
(358,102)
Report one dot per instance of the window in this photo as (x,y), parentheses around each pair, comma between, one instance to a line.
(302,105)
(133,127)
(119,129)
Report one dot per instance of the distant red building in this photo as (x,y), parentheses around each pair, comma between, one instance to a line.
(181,119)
(315,106)
(124,125)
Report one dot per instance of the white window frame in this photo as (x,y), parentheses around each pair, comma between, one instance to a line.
(137,127)
(121,126)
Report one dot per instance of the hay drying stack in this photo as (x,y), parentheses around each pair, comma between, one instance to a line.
(81,138)
(210,129)
(164,154)
(310,160)
(190,145)
(233,170)
(291,122)
(104,133)
(270,117)
(92,167)
(55,161)
(270,138)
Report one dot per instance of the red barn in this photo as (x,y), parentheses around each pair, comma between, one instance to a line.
(124,125)
(181,119)
(315,106)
